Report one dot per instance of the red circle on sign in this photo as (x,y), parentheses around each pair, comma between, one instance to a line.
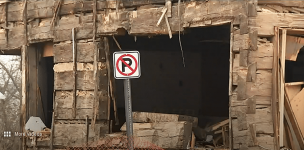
(120,59)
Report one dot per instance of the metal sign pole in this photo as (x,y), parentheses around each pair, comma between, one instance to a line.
(129,117)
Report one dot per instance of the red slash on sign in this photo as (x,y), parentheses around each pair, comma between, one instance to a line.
(122,58)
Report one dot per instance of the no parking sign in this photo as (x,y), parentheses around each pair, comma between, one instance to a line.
(126,64)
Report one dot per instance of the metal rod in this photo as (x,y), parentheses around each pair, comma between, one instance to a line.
(75,73)
(128,109)
(87,132)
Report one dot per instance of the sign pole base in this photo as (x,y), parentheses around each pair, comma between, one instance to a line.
(128,110)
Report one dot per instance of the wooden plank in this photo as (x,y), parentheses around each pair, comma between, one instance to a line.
(64,80)
(263,56)
(74,134)
(110,22)
(140,25)
(85,53)
(297,104)
(282,2)
(146,117)
(293,46)
(163,135)
(32,81)
(275,87)
(282,86)
(132,3)
(294,83)
(222,11)
(40,31)
(292,90)
(267,21)
(24,101)
(298,138)
(15,38)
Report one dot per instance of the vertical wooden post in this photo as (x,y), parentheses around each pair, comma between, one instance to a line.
(24,94)
(274,103)
(96,54)
(282,86)
(230,83)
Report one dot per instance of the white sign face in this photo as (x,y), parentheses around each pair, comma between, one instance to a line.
(126,64)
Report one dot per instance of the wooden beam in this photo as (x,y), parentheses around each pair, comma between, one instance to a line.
(282,86)
(296,3)
(24,58)
(290,117)
(267,21)
(274,101)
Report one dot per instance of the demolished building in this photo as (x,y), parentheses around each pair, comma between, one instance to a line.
(216,58)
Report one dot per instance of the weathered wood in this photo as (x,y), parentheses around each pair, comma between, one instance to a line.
(282,86)
(282,2)
(228,10)
(253,36)
(240,42)
(251,74)
(263,56)
(146,117)
(15,38)
(291,119)
(274,101)
(251,105)
(293,46)
(297,103)
(32,81)
(292,90)
(162,134)
(242,121)
(24,101)
(243,58)
(252,129)
(141,25)
(244,24)
(241,88)
(74,134)
(40,30)
(262,86)
(64,80)
(267,21)
(84,105)
(85,53)
(252,10)
(259,101)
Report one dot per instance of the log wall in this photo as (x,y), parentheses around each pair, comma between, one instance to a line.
(251,95)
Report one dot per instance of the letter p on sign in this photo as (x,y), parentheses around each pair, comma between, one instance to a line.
(126,64)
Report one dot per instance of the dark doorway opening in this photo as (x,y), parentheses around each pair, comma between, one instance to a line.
(199,89)
(46,85)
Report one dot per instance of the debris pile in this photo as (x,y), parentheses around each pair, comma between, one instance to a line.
(178,131)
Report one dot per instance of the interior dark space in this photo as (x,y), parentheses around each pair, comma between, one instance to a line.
(294,71)
(46,86)
(199,89)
